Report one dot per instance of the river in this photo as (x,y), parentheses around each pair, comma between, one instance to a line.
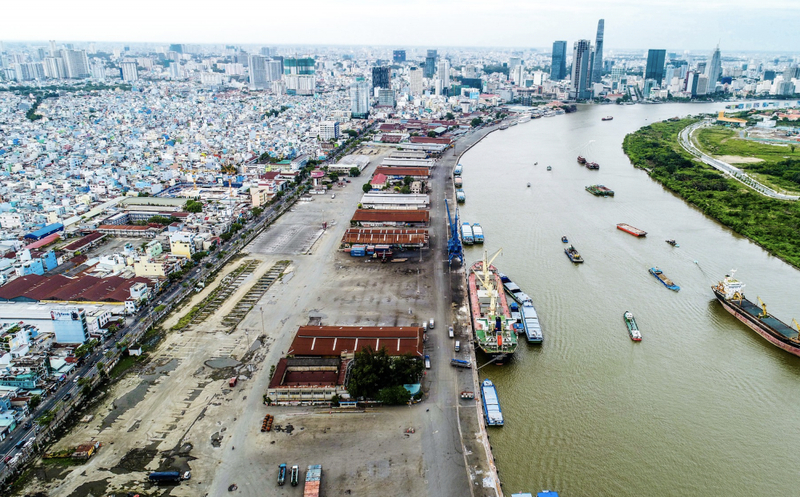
(703,405)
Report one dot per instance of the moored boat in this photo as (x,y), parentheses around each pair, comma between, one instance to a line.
(633,329)
(660,276)
(461,197)
(458,182)
(466,234)
(491,404)
(477,233)
(530,321)
(627,228)
(730,294)
(491,316)
(573,254)
(600,190)
(458,169)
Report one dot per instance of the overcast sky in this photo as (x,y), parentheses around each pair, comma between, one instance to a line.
(759,25)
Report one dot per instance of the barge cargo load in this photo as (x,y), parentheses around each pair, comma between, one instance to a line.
(600,191)
(466,234)
(530,320)
(730,294)
(491,404)
(660,276)
(627,228)
(477,233)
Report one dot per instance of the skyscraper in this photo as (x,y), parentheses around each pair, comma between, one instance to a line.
(257,67)
(359,99)
(430,64)
(597,63)
(415,80)
(381,77)
(76,63)
(444,72)
(581,63)
(714,70)
(129,72)
(558,68)
(399,56)
(655,65)
(300,76)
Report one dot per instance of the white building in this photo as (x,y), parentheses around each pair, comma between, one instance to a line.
(359,99)
(258,72)
(329,130)
(444,72)
(415,80)
(129,71)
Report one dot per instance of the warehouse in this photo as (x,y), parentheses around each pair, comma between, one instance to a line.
(377,218)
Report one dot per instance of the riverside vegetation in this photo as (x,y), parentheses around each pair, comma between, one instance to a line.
(773,224)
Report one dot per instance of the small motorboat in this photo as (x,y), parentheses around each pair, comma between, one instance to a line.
(564,239)
(529,185)
(535,163)
(549,168)
(673,243)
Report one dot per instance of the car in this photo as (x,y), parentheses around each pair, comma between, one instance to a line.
(187,475)
(431,324)
(457,346)
(67,396)
(450,332)
(28,425)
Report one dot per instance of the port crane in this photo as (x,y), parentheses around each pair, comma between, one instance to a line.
(454,248)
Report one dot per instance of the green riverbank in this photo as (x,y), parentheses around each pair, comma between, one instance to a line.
(773,224)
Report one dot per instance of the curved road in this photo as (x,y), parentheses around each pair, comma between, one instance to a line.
(685,139)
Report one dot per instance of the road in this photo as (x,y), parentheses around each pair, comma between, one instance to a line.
(142,321)
(686,141)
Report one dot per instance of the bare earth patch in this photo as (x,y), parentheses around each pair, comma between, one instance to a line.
(733,159)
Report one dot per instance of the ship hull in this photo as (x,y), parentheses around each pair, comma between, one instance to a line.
(481,326)
(756,325)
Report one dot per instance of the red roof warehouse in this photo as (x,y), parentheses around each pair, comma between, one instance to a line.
(332,341)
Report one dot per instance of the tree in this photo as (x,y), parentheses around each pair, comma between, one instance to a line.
(476,122)
(449,116)
(366,187)
(34,402)
(408,180)
(369,374)
(193,206)
(405,189)
(353,133)
(432,134)
(355,171)
(395,395)
(334,177)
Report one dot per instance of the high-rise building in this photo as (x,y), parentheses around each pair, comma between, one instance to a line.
(415,80)
(702,84)
(257,68)
(444,72)
(129,71)
(518,75)
(399,56)
(53,50)
(581,64)
(328,130)
(558,67)
(597,63)
(714,70)
(430,64)
(655,65)
(98,70)
(265,51)
(76,63)
(300,76)
(54,68)
(274,70)
(386,97)
(359,99)
(381,77)
(175,70)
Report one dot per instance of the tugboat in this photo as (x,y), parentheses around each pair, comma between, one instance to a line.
(581,160)
(673,243)
(564,239)
(660,276)
(549,168)
(607,118)
(592,165)
(633,330)
(573,254)
(529,185)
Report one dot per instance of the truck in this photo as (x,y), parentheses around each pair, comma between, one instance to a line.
(281,474)
(295,475)
(164,476)
(460,363)
(313,480)
(233,381)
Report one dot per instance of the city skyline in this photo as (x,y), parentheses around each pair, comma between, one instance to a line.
(631,25)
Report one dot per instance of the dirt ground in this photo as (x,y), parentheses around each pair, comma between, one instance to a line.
(734,159)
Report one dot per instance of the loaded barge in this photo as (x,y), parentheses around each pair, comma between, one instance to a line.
(730,294)
(491,316)
(491,404)
(600,191)
(660,276)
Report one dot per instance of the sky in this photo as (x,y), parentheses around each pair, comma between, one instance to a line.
(737,25)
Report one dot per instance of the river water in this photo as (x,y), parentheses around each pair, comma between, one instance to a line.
(703,405)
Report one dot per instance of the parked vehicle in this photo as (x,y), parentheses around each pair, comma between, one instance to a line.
(281,474)
(431,324)
(187,475)
(164,476)
(450,332)
(295,479)
(457,346)
(427,362)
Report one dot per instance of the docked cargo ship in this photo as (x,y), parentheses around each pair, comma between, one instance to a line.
(627,228)
(477,233)
(491,404)
(491,316)
(600,190)
(730,294)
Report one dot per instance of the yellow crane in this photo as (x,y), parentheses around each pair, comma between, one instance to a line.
(763,307)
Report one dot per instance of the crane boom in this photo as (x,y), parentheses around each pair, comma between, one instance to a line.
(763,308)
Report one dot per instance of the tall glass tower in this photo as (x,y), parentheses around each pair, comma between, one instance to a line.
(597,63)
(558,67)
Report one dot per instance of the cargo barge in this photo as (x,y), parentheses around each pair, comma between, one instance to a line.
(466,234)
(633,329)
(627,228)
(491,316)
(461,197)
(600,190)
(530,320)
(491,404)
(660,276)
(730,294)
(477,233)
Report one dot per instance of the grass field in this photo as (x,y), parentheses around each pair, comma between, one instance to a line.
(780,168)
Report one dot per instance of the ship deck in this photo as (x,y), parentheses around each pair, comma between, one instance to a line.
(777,325)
